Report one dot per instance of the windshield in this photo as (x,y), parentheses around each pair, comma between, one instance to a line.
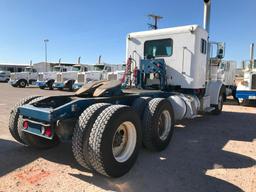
(76,68)
(27,69)
(98,67)
(56,69)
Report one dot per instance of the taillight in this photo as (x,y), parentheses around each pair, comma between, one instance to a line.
(47,131)
(25,124)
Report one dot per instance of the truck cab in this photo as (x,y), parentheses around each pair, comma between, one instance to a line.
(183,49)
(94,73)
(65,80)
(25,78)
(46,79)
(118,73)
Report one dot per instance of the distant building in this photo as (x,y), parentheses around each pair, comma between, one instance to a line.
(12,67)
(40,67)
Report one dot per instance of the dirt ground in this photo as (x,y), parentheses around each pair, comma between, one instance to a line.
(210,153)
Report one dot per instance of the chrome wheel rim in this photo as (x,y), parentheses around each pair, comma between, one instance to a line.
(22,84)
(164,125)
(124,141)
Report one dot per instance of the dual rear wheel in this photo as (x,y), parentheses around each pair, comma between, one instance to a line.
(107,138)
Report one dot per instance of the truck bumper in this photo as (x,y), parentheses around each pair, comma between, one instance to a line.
(13,82)
(41,84)
(246,94)
(77,85)
(58,85)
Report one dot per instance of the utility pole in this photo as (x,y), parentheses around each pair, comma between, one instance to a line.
(45,50)
(155,20)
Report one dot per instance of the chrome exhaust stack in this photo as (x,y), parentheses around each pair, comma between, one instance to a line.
(252,56)
(207,15)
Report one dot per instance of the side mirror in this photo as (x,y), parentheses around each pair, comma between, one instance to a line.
(220,50)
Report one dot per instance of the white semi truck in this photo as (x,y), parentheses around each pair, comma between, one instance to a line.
(225,72)
(66,80)
(99,72)
(25,78)
(108,123)
(246,89)
(46,79)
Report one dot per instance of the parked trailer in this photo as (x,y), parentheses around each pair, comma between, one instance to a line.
(46,79)
(246,89)
(108,124)
(25,78)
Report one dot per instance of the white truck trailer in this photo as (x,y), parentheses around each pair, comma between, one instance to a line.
(246,89)
(25,78)
(108,123)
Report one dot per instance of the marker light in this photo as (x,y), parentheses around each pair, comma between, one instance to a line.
(25,124)
(48,132)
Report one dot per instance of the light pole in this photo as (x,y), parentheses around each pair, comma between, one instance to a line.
(45,49)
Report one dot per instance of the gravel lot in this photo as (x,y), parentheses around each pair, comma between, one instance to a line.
(210,153)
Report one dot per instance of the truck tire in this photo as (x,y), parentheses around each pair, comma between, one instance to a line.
(50,85)
(70,85)
(14,116)
(22,83)
(33,140)
(218,108)
(115,140)
(82,131)
(139,105)
(158,124)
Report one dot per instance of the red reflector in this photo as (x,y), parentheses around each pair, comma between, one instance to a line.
(25,124)
(48,132)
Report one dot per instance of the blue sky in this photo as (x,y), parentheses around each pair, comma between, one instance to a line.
(88,28)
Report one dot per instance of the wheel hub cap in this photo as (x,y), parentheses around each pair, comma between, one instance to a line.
(124,141)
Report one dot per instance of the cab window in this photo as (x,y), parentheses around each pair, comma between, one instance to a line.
(203,46)
(158,48)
